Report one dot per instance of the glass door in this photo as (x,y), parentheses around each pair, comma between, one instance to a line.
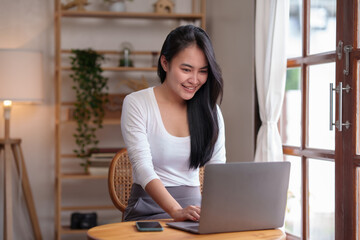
(308,142)
(320,122)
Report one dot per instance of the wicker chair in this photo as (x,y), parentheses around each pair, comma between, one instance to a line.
(120,179)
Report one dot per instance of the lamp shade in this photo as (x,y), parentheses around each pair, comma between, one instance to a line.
(21,76)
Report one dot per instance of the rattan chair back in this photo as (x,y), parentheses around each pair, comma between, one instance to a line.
(120,179)
(201,178)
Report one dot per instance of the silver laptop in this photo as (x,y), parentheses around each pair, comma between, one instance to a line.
(241,196)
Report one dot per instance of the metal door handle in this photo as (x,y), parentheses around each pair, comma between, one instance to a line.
(347,50)
(339,123)
(331,105)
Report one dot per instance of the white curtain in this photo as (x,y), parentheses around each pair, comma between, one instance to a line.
(270,63)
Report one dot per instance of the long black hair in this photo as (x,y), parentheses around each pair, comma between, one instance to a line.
(201,109)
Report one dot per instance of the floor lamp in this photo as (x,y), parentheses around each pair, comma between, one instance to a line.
(21,82)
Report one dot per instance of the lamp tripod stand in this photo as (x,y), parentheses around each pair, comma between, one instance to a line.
(11,148)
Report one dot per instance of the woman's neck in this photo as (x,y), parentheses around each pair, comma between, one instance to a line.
(165,94)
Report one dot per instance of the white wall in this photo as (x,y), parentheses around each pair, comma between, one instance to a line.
(230,23)
(28,24)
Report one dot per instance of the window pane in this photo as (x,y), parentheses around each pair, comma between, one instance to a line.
(293,207)
(322,26)
(358,202)
(320,77)
(291,113)
(322,199)
(358,111)
(294,43)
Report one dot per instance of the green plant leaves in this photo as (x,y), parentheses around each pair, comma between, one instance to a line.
(91,94)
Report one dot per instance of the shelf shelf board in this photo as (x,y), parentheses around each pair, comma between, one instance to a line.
(105,122)
(68,230)
(122,69)
(81,176)
(69,155)
(77,208)
(68,51)
(68,104)
(133,15)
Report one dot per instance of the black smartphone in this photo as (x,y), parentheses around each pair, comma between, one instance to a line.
(149,226)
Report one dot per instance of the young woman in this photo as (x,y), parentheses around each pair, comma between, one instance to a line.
(172,129)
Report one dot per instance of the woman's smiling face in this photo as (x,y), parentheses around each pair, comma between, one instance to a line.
(186,72)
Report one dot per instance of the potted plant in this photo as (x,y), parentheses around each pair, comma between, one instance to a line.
(91,95)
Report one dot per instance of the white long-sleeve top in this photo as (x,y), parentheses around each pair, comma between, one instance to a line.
(153,152)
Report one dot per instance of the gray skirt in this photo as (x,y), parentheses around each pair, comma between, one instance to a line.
(142,207)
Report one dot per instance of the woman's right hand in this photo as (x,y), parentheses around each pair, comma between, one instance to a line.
(161,196)
(191,212)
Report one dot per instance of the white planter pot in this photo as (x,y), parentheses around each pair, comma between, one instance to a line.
(117,7)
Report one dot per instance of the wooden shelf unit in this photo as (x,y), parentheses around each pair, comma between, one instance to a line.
(106,122)
(81,176)
(59,68)
(121,69)
(132,15)
(77,208)
(68,230)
